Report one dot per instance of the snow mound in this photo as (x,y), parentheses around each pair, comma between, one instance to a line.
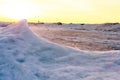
(24,56)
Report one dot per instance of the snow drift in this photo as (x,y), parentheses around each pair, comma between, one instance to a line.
(24,56)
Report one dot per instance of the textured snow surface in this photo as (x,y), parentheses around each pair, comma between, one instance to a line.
(24,56)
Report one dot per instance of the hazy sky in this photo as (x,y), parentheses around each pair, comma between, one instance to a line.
(75,11)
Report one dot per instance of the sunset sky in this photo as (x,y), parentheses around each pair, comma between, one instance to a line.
(67,11)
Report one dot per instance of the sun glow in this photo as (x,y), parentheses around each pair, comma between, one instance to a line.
(18,9)
(67,11)
(18,13)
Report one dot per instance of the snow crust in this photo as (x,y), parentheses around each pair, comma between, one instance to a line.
(24,56)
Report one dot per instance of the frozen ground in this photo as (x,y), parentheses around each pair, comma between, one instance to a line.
(82,36)
(24,56)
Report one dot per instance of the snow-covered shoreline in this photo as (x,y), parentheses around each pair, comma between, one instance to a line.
(24,56)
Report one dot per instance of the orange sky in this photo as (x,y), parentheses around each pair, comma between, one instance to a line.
(67,11)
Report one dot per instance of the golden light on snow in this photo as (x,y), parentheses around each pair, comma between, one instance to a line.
(76,11)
